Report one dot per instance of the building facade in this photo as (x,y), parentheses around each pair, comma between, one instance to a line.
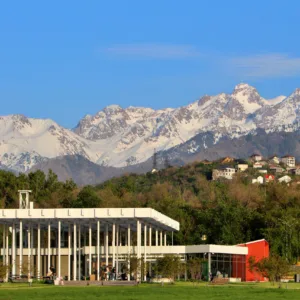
(289,161)
(81,243)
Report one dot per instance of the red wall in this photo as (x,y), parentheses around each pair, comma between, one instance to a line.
(258,249)
(238,267)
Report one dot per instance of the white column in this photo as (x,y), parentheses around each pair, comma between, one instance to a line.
(165,238)
(128,251)
(156,237)
(79,252)
(3,243)
(106,245)
(117,257)
(90,249)
(98,250)
(39,251)
(29,249)
(113,245)
(21,247)
(74,253)
(13,249)
(85,256)
(59,245)
(140,240)
(150,237)
(145,252)
(31,246)
(69,252)
(161,238)
(139,249)
(6,247)
(49,245)
(150,245)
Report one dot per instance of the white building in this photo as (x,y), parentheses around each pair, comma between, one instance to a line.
(79,243)
(242,167)
(274,159)
(223,172)
(285,179)
(257,165)
(289,161)
(256,157)
(259,180)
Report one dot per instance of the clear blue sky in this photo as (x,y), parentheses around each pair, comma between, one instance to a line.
(64,59)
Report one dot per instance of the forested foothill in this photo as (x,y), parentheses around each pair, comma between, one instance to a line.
(227,212)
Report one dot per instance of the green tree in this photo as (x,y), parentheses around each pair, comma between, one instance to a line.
(168,266)
(273,267)
(3,270)
(194,267)
(88,198)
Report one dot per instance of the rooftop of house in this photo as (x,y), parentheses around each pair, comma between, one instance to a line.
(288,156)
(241,162)
(267,176)
(223,168)
(255,154)
(275,167)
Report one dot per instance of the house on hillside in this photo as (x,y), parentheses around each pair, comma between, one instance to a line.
(256,157)
(257,165)
(242,165)
(276,169)
(295,171)
(269,178)
(285,179)
(223,172)
(274,159)
(259,180)
(289,161)
(263,171)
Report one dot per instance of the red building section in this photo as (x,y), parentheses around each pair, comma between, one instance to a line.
(258,249)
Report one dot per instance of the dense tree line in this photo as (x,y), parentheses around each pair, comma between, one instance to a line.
(227,212)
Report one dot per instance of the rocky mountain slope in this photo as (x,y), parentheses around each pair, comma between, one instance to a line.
(121,137)
(84,172)
(267,144)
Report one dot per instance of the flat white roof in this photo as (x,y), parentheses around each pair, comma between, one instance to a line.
(120,216)
(152,250)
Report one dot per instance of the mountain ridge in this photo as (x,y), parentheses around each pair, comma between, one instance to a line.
(121,137)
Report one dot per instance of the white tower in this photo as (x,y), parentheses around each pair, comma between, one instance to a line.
(24,203)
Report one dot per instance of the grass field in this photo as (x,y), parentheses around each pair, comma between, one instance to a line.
(147,292)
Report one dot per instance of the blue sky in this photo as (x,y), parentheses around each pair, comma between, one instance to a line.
(64,59)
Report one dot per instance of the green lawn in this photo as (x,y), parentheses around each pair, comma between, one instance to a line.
(153,292)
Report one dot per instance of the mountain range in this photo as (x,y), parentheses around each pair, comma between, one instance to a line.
(119,140)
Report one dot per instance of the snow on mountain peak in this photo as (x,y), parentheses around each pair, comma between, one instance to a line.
(296,92)
(244,89)
(275,100)
(242,86)
(246,98)
(119,136)
(111,109)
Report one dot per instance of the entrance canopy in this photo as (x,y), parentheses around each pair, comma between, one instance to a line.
(121,216)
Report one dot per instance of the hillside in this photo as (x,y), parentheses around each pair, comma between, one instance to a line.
(227,211)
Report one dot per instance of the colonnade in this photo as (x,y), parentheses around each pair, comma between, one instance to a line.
(77,231)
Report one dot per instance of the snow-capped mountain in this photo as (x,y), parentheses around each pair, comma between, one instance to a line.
(118,137)
(25,142)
